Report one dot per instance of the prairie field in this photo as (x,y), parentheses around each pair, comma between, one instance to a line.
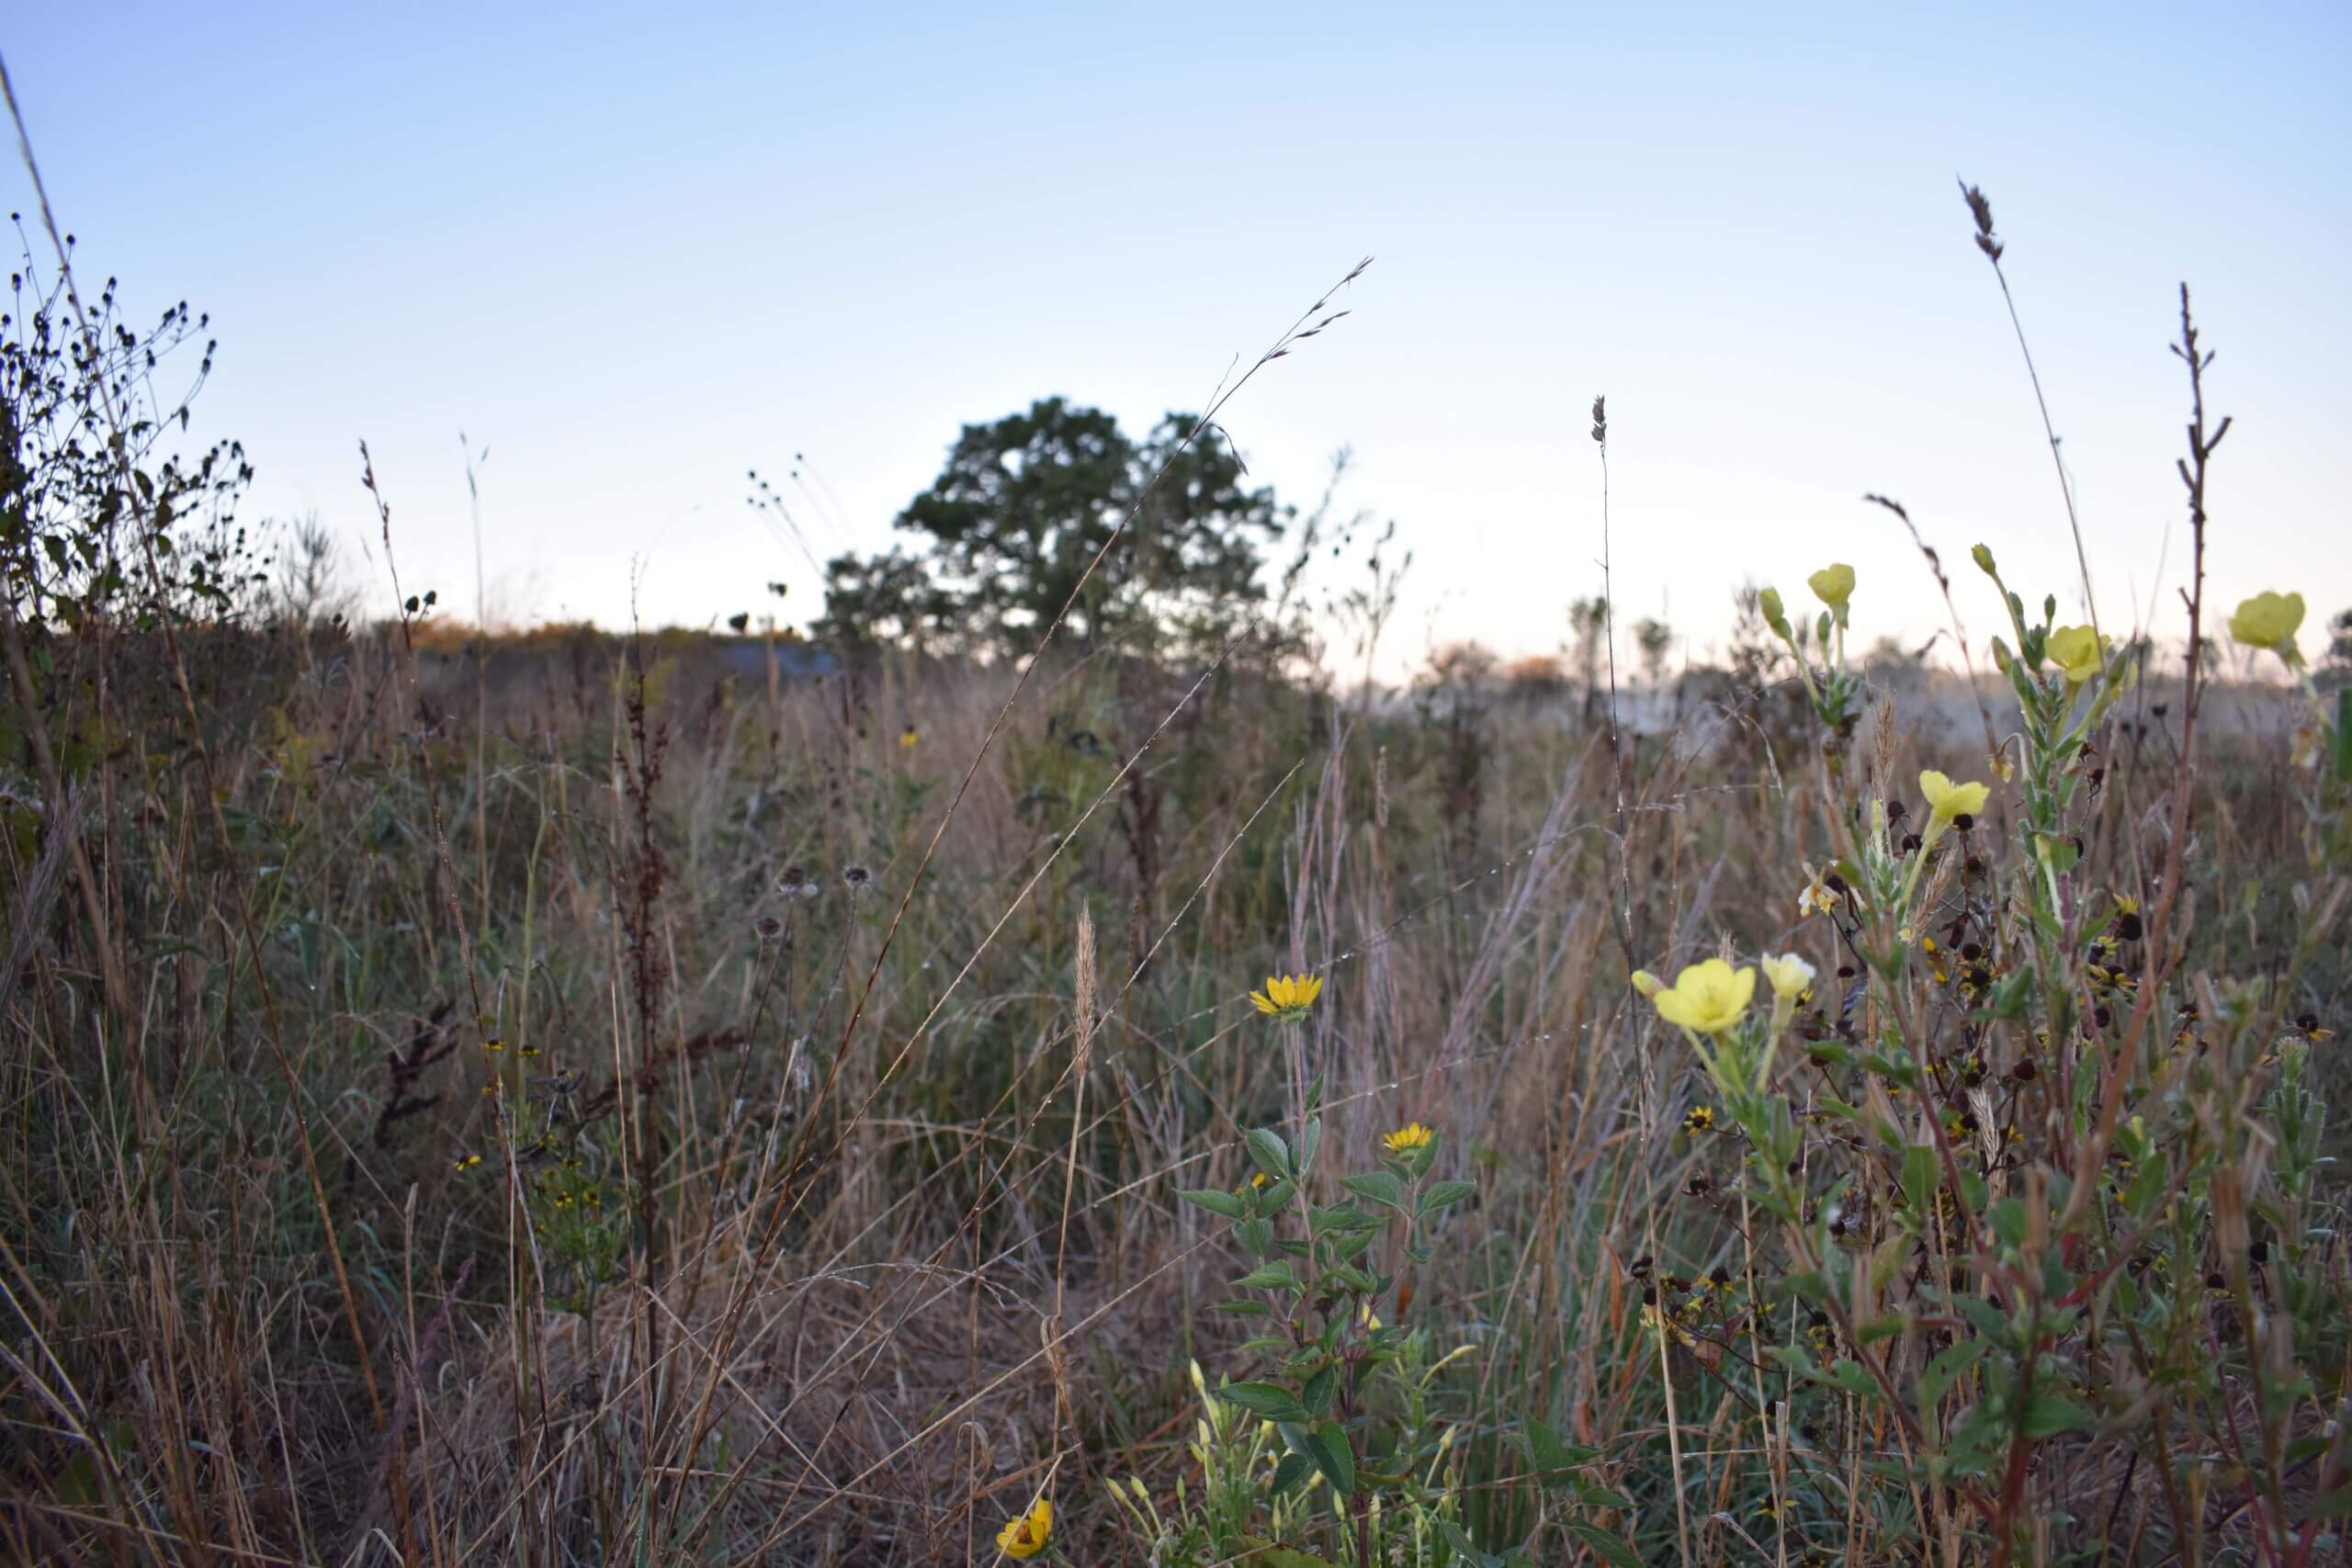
(1058,1061)
(629,1108)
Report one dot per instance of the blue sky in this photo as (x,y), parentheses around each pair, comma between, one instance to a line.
(635,254)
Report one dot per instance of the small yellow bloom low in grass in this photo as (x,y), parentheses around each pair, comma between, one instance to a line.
(1026,1536)
(1707,997)
(910,738)
(2076,651)
(1287,997)
(1410,1136)
(2270,620)
(1833,585)
(1701,1118)
(1948,802)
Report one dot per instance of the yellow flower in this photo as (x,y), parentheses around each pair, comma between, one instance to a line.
(1026,1537)
(1791,976)
(1701,1118)
(1816,898)
(1833,585)
(2269,620)
(1948,801)
(2076,651)
(1647,983)
(1410,1136)
(910,738)
(1708,997)
(1287,997)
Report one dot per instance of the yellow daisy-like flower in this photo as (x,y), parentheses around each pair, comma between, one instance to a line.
(2270,620)
(1833,585)
(910,738)
(1790,977)
(1707,999)
(1701,1118)
(1410,1136)
(1287,997)
(1948,801)
(2076,651)
(1026,1536)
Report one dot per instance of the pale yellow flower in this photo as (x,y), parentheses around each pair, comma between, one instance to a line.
(1707,997)
(1647,983)
(1790,977)
(1287,997)
(2076,651)
(2270,620)
(1948,801)
(1408,1138)
(1026,1536)
(1833,585)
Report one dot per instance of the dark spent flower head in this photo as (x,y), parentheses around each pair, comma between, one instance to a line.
(858,878)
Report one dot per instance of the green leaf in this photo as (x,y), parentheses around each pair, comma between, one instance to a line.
(1922,1168)
(2050,1415)
(2147,1186)
(1277,1275)
(1256,1235)
(1601,1541)
(1272,1401)
(1378,1186)
(1945,1370)
(1289,1473)
(1272,1155)
(1445,1194)
(1328,1446)
(1465,1547)
(1308,1142)
(1216,1202)
(1549,1453)
(1319,1392)
(2339,1503)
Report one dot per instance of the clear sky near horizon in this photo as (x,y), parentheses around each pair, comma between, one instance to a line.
(634,252)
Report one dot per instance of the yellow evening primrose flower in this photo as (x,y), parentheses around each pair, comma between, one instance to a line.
(1287,997)
(1708,997)
(1833,585)
(1026,1536)
(1408,1138)
(2270,620)
(1948,801)
(2076,651)
(1791,976)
